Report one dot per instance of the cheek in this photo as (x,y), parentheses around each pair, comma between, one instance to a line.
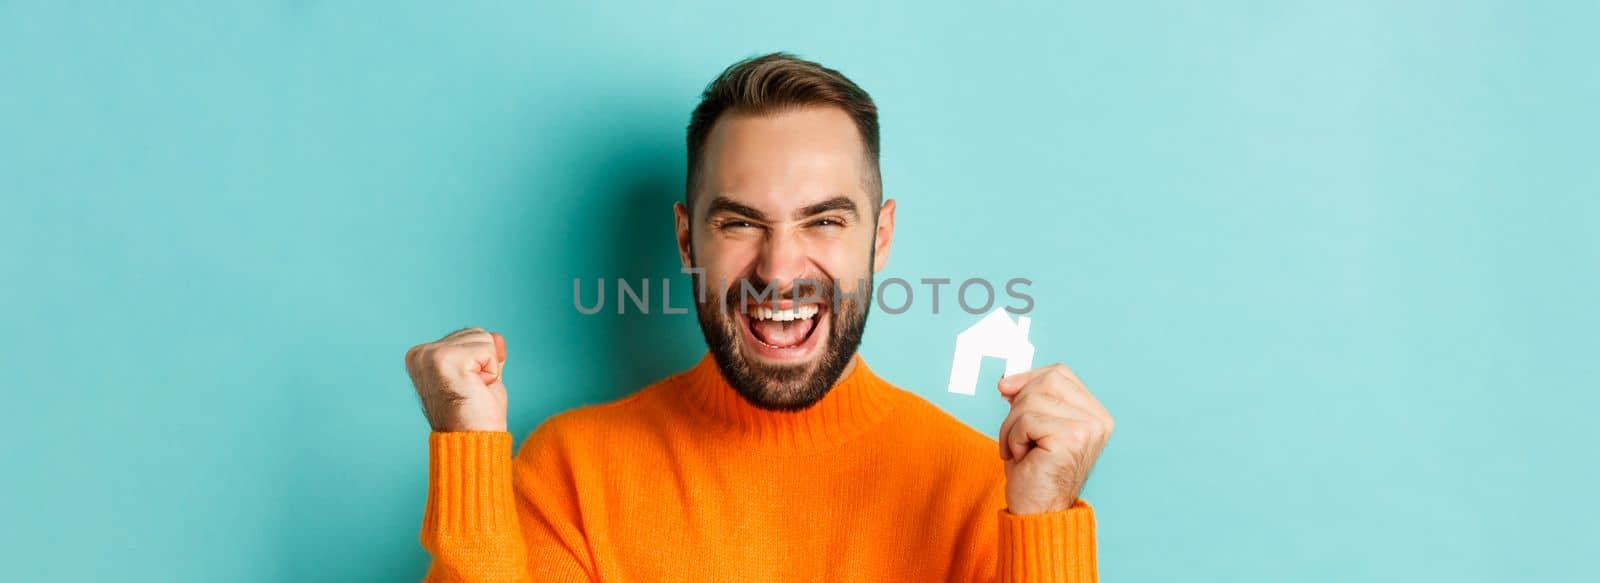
(843,263)
(725,261)
(856,245)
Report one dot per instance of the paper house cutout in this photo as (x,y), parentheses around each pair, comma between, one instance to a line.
(995,336)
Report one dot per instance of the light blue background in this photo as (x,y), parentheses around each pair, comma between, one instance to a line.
(1331,265)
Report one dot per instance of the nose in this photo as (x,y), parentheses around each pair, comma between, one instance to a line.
(783,259)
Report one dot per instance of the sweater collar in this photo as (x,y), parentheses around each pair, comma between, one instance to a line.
(854,404)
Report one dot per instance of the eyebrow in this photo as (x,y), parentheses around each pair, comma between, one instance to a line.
(837,203)
(722,204)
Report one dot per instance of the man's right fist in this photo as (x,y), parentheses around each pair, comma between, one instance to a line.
(458,380)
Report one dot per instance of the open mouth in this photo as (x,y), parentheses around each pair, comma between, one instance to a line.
(784,331)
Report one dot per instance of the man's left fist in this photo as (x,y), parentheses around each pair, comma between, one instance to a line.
(1051,438)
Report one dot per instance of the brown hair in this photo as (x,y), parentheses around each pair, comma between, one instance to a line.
(777,82)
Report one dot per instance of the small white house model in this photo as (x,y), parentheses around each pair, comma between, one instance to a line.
(995,336)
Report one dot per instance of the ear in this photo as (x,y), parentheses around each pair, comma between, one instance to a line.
(884,237)
(680,215)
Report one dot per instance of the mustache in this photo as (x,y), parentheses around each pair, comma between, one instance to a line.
(746,292)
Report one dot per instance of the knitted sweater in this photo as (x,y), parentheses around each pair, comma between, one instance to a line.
(686,481)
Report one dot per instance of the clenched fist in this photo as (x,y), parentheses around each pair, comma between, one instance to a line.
(1051,438)
(458,380)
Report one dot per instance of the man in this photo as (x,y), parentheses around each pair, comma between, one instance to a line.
(780,456)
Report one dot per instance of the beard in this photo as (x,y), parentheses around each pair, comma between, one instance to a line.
(789,387)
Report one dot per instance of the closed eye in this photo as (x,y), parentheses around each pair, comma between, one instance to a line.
(729,224)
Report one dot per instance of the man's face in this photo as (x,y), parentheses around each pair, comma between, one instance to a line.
(784,197)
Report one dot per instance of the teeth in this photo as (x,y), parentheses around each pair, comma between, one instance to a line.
(805,312)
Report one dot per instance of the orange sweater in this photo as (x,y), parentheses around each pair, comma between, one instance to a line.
(685,481)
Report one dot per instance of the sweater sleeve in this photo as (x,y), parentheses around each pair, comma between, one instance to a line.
(1054,546)
(485,520)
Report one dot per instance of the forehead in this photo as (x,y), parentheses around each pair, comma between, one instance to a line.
(784,160)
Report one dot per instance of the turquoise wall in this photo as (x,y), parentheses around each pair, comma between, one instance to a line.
(1331,265)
